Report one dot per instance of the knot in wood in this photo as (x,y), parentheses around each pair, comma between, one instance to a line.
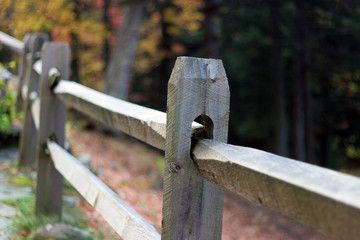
(173,167)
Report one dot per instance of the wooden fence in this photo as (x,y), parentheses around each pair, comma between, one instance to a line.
(197,170)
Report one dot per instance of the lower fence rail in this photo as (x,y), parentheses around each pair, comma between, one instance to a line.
(125,221)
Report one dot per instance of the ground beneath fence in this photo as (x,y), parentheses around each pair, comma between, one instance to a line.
(9,191)
(134,171)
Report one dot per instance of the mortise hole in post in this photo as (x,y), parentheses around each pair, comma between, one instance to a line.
(207,133)
(208,124)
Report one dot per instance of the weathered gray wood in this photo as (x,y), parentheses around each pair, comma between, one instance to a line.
(321,198)
(27,142)
(125,221)
(51,123)
(192,207)
(22,72)
(12,43)
(143,123)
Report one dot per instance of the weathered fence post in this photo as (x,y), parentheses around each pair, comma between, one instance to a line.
(30,80)
(192,207)
(51,123)
(22,72)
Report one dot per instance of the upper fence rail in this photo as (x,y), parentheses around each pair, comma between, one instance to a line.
(11,42)
(145,124)
(321,198)
(324,199)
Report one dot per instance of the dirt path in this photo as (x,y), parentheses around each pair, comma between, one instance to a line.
(133,171)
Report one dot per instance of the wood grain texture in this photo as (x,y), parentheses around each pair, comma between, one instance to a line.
(326,200)
(192,207)
(12,43)
(27,142)
(125,221)
(51,123)
(143,123)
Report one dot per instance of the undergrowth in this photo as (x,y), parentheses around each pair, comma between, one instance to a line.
(8,112)
(24,222)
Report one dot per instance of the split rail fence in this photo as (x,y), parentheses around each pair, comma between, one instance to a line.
(197,170)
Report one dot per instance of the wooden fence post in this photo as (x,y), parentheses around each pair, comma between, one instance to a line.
(27,143)
(22,72)
(51,123)
(192,206)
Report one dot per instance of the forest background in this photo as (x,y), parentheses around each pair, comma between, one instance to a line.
(293,66)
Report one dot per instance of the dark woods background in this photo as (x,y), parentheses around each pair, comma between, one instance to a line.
(293,66)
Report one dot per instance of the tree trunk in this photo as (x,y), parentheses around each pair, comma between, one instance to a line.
(162,72)
(279,96)
(299,84)
(118,73)
(303,129)
(212,29)
(106,22)
(325,131)
(75,46)
(308,106)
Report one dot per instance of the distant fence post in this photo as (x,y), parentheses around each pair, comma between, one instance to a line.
(192,207)
(22,72)
(30,80)
(51,123)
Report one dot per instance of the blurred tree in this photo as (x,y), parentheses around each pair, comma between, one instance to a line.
(212,29)
(337,57)
(75,43)
(107,25)
(278,90)
(246,55)
(300,49)
(77,23)
(119,69)
(6,7)
(171,29)
(316,43)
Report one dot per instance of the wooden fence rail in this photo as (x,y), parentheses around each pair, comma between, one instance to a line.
(326,200)
(145,124)
(125,221)
(12,43)
(321,198)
